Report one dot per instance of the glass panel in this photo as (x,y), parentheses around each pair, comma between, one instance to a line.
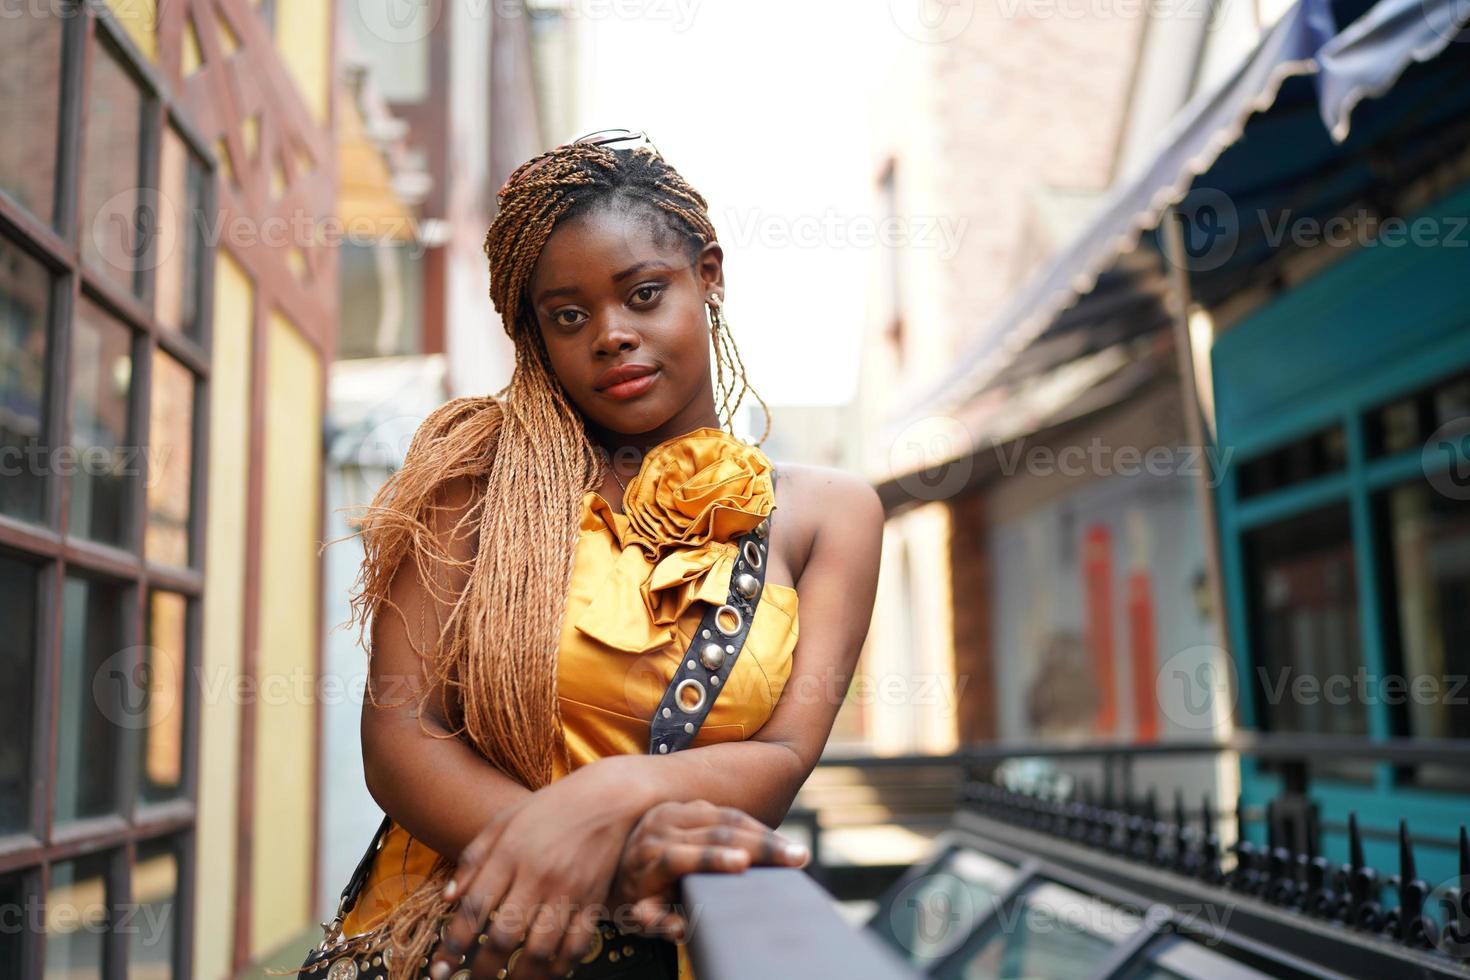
(30,104)
(102,378)
(155,911)
(181,234)
(170,461)
(1426,590)
(1320,454)
(932,915)
(94,694)
(114,226)
(76,918)
(1173,958)
(25,308)
(1052,932)
(17,666)
(1304,602)
(161,765)
(1407,423)
(12,927)
(382,301)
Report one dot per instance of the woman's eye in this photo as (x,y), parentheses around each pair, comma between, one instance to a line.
(647,294)
(565,318)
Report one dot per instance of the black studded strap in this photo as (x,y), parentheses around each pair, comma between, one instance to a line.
(707,663)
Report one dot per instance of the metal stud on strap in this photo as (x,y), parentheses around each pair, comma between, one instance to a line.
(718,640)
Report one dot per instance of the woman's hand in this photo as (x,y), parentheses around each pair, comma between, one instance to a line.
(542,868)
(675,839)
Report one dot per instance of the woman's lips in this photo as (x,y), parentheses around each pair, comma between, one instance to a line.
(633,387)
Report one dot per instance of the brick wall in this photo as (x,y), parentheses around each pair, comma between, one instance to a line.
(970,583)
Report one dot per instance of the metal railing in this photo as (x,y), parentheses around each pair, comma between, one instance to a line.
(1282,902)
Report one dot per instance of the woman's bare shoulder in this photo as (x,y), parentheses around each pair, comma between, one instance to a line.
(823,506)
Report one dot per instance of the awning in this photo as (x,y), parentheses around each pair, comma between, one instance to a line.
(1301,75)
(1369,56)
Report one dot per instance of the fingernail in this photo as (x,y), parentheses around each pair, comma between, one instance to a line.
(451,890)
(734,858)
(795,852)
(440,970)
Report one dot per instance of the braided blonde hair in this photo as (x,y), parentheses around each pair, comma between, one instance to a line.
(527,452)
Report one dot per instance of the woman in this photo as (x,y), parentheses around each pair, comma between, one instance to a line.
(548,553)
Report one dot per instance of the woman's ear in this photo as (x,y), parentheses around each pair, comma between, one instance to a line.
(709,267)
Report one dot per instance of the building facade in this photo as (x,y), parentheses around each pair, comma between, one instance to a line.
(167,328)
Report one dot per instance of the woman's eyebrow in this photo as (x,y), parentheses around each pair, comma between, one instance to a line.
(640,267)
(634,269)
(546,294)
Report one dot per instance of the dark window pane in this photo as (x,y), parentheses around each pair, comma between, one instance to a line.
(13,927)
(25,305)
(30,104)
(170,461)
(1304,606)
(102,379)
(1056,933)
(382,300)
(161,765)
(96,690)
(155,907)
(181,180)
(1426,603)
(929,918)
(115,225)
(17,693)
(1407,423)
(77,917)
(1320,454)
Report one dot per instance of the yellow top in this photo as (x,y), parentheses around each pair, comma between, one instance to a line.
(638,590)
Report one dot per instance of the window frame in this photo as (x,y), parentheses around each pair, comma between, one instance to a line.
(46,544)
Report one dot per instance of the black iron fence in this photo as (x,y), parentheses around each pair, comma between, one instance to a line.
(1197,895)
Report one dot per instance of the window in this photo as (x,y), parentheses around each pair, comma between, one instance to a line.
(1357,624)
(30,106)
(103,368)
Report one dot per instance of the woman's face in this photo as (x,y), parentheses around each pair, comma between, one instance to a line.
(623,319)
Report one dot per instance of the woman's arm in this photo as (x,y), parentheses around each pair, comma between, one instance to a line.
(761,775)
(439,789)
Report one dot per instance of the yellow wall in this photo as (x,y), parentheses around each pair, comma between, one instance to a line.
(285,739)
(140,19)
(304,38)
(229,463)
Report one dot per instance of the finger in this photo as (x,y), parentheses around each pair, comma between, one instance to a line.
(763,845)
(577,942)
(468,863)
(678,860)
(481,898)
(548,928)
(703,813)
(655,917)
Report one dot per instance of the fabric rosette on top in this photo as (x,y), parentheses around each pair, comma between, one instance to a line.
(693,498)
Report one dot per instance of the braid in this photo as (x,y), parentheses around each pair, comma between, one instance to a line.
(528,451)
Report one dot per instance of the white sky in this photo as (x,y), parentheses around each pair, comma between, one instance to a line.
(763,105)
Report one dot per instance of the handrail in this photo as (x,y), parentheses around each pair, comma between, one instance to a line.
(776,923)
(1260,745)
